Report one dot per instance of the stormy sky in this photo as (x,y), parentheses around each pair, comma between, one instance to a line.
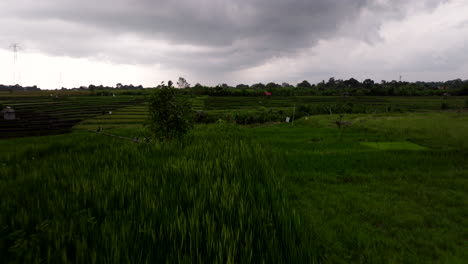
(78,42)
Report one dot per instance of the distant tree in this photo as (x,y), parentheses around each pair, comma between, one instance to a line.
(170,116)
(182,83)
(92,88)
(225,86)
(258,86)
(272,85)
(286,85)
(368,83)
(304,85)
(242,86)
(353,83)
(118,86)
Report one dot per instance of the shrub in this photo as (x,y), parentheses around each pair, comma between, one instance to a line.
(170,116)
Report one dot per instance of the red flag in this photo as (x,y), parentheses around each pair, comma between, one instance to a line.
(267,94)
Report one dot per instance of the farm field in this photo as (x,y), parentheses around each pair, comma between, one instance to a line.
(246,110)
(389,187)
(38,113)
(403,204)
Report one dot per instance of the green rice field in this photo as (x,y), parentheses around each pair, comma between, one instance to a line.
(390,186)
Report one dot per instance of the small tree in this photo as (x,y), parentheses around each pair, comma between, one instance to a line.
(182,83)
(170,116)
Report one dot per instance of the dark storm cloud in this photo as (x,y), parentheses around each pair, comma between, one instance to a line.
(226,34)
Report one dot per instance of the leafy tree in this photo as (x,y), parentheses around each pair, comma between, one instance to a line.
(352,83)
(304,85)
(170,116)
(258,86)
(368,83)
(242,86)
(182,83)
(272,85)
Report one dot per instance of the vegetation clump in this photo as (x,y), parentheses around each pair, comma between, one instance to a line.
(170,116)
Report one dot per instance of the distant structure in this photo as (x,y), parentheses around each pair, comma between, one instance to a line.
(8,113)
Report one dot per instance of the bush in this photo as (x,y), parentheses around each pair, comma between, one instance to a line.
(170,116)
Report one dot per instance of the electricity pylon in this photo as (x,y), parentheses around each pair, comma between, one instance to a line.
(15,47)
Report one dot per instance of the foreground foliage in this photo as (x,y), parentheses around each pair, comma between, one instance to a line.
(385,188)
(212,198)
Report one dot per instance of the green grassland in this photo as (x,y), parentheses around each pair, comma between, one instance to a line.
(387,187)
(371,205)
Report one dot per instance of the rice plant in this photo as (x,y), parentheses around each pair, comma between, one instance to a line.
(212,197)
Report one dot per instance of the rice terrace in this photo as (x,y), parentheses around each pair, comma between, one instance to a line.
(351,179)
(234,131)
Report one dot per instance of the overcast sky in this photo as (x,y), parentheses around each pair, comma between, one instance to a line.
(79,42)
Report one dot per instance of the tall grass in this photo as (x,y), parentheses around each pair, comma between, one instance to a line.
(213,197)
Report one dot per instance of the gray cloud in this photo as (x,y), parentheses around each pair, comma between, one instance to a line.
(202,35)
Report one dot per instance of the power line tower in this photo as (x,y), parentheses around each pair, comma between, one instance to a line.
(15,47)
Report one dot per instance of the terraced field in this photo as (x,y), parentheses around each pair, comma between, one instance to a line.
(44,115)
(40,113)
(375,103)
(128,117)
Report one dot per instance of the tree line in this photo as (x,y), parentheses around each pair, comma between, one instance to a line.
(336,87)
(18,87)
(331,87)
